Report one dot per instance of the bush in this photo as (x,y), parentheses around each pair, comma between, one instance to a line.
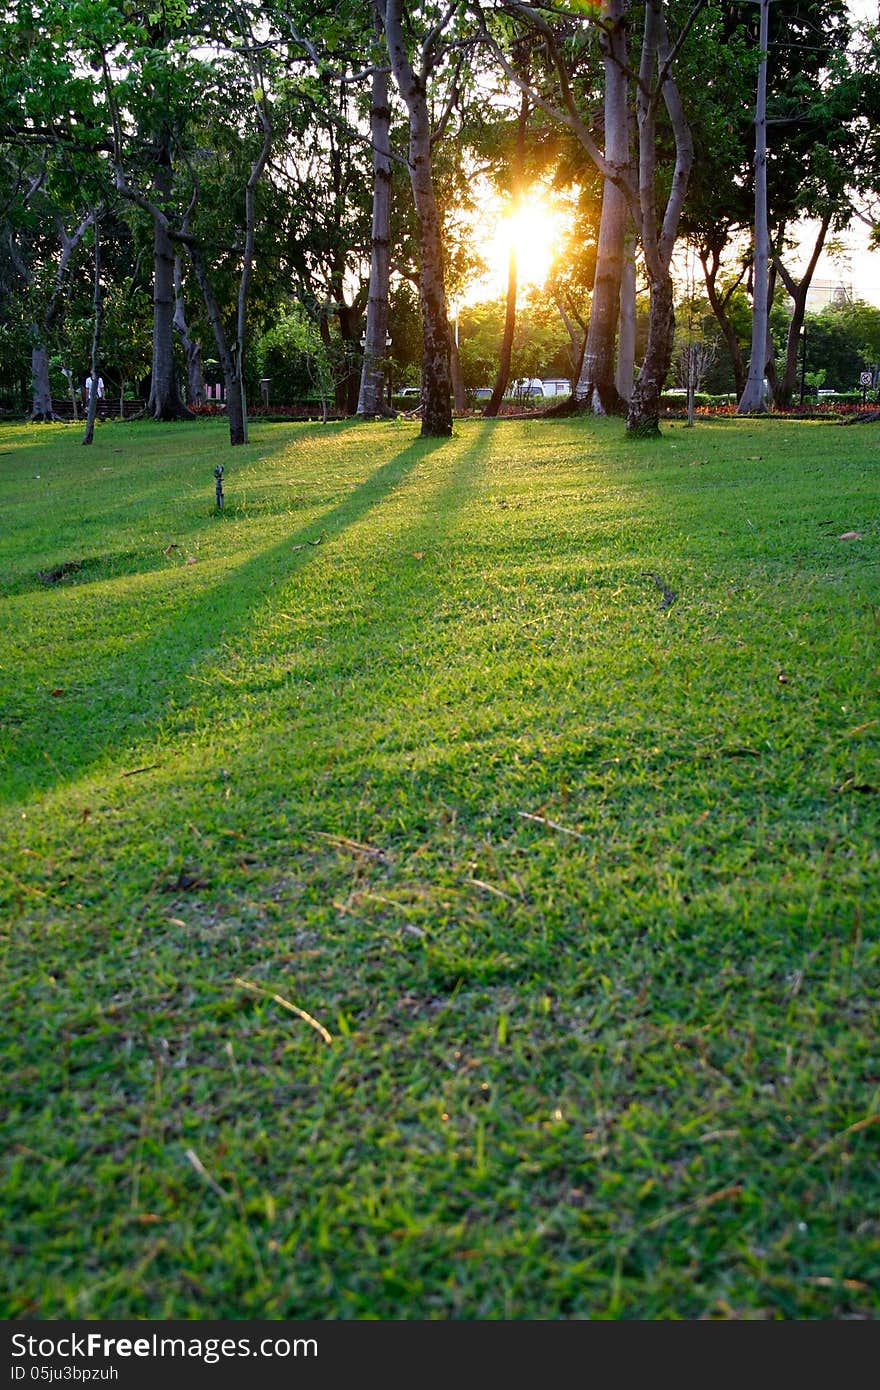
(677,400)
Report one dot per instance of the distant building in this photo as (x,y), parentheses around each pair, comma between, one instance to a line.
(822,293)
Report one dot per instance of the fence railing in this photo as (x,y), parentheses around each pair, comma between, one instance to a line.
(108,409)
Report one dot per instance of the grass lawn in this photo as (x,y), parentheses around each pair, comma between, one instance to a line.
(444,884)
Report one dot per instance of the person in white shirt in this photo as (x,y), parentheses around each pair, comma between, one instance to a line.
(88,388)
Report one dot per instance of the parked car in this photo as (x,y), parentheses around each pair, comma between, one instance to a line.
(409,391)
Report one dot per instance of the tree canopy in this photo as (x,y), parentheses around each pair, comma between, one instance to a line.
(229,150)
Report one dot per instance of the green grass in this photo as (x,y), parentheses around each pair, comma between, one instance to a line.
(538,770)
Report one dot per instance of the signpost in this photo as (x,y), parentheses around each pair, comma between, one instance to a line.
(865,381)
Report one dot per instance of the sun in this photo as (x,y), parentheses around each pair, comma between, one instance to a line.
(533,233)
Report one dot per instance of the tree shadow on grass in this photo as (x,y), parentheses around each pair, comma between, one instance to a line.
(383,653)
(158,669)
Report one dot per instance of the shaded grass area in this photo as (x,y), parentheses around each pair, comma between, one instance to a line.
(536,771)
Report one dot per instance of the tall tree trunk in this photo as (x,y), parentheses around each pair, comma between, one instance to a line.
(770,369)
(658,243)
(458,392)
(596,388)
(710,259)
(97,313)
(798,291)
(644,407)
(192,348)
(164,402)
(577,340)
(350,317)
(229,359)
(754,398)
(626,331)
(493,405)
(43,328)
(371,395)
(436,381)
(41,391)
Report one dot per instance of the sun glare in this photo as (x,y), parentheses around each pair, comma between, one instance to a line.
(533,233)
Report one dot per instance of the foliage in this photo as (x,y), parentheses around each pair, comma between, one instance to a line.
(539,348)
(860,322)
(295,359)
(831,348)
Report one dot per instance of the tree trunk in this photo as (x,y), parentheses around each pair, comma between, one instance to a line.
(458,391)
(42,329)
(230,361)
(710,259)
(348,387)
(371,395)
(41,391)
(754,398)
(596,388)
(97,312)
(192,348)
(626,331)
(235,409)
(493,405)
(436,382)
(798,291)
(164,402)
(643,417)
(658,242)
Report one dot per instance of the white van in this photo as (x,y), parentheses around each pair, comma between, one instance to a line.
(527,386)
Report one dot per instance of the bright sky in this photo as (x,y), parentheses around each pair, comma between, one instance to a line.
(858,268)
(535,232)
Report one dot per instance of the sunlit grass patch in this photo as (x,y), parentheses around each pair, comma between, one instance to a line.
(538,773)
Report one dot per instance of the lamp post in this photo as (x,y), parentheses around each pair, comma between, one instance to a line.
(803,359)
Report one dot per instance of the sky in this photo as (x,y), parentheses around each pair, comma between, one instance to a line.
(858,268)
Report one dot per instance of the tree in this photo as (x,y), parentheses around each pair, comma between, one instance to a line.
(754,396)
(655,197)
(97,312)
(371,396)
(517,162)
(412,84)
(240,73)
(50,179)
(597,387)
(810,146)
(860,321)
(835,347)
(293,356)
